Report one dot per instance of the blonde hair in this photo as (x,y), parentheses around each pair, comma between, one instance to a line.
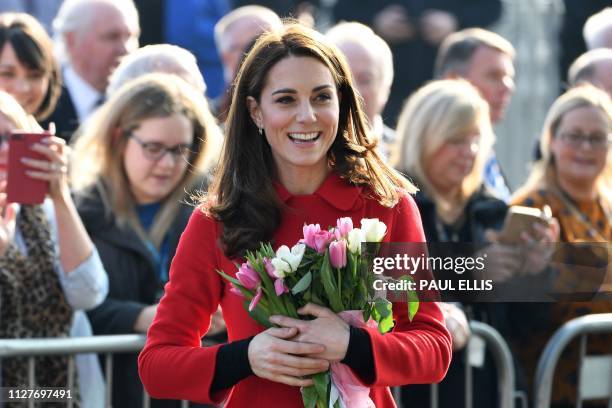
(434,114)
(12,110)
(98,152)
(543,171)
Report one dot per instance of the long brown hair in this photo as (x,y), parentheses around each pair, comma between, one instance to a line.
(34,50)
(243,197)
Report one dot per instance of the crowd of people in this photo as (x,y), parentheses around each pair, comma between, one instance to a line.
(160,172)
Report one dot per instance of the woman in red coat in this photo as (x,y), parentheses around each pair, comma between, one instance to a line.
(296,152)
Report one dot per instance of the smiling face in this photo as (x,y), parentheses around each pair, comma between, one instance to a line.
(153,180)
(580,164)
(298,110)
(27,86)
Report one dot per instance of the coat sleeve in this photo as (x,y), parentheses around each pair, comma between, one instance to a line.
(414,352)
(183,317)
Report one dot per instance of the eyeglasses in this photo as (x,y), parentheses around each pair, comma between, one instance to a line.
(595,141)
(154,151)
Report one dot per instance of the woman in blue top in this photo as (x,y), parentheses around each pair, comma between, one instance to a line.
(132,166)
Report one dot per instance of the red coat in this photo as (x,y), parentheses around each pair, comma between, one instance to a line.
(173,365)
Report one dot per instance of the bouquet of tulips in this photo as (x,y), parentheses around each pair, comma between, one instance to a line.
(328,268)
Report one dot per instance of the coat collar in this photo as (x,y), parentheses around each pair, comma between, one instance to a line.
(335,191)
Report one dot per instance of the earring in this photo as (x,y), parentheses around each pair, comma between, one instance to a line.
(260,131)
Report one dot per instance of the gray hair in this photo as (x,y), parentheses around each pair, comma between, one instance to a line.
(76,15)
(595,26)
(269,20)
(457,50)
(583,69)
(163,58)
(360,34)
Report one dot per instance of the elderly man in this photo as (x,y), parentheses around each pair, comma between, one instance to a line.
(371,64)
(486,60)
(237,29)
(92,35)
(233,34)
(593,67)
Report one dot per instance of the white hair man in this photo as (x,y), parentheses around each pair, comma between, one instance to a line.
(597,31)
(371,63)
(593,67)
(92,36)
(237,29)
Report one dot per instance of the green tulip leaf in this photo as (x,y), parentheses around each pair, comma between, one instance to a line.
(302,284)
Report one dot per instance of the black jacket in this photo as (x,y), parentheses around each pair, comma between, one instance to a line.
(133,285)
(513,320)
(64,116)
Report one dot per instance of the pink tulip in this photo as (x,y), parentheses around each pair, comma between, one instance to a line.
(247,276)
(269,268)
(279,287)
(344,226)
(255,300)
(316,238)
(309,234)
(337,254)
(322,240)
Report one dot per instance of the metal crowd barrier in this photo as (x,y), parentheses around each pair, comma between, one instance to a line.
(107,345)
(597,368)
(503,363)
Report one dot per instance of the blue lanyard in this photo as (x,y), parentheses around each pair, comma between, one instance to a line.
(159,259)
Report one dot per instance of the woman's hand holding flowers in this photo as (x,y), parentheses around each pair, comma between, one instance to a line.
(327,328)
(276,356)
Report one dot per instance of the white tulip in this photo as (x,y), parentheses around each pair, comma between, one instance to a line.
(281,267)
(373,229)
(292,257)
(355,238)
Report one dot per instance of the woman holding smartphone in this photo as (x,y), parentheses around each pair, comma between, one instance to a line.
(446,139)
(574,179)
(49,268)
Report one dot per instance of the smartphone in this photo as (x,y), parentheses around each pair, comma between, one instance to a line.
(519,219)
(20,187)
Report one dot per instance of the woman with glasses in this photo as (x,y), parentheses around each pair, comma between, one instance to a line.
(28,70)
(446,139)
(573,177)
(132,166)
